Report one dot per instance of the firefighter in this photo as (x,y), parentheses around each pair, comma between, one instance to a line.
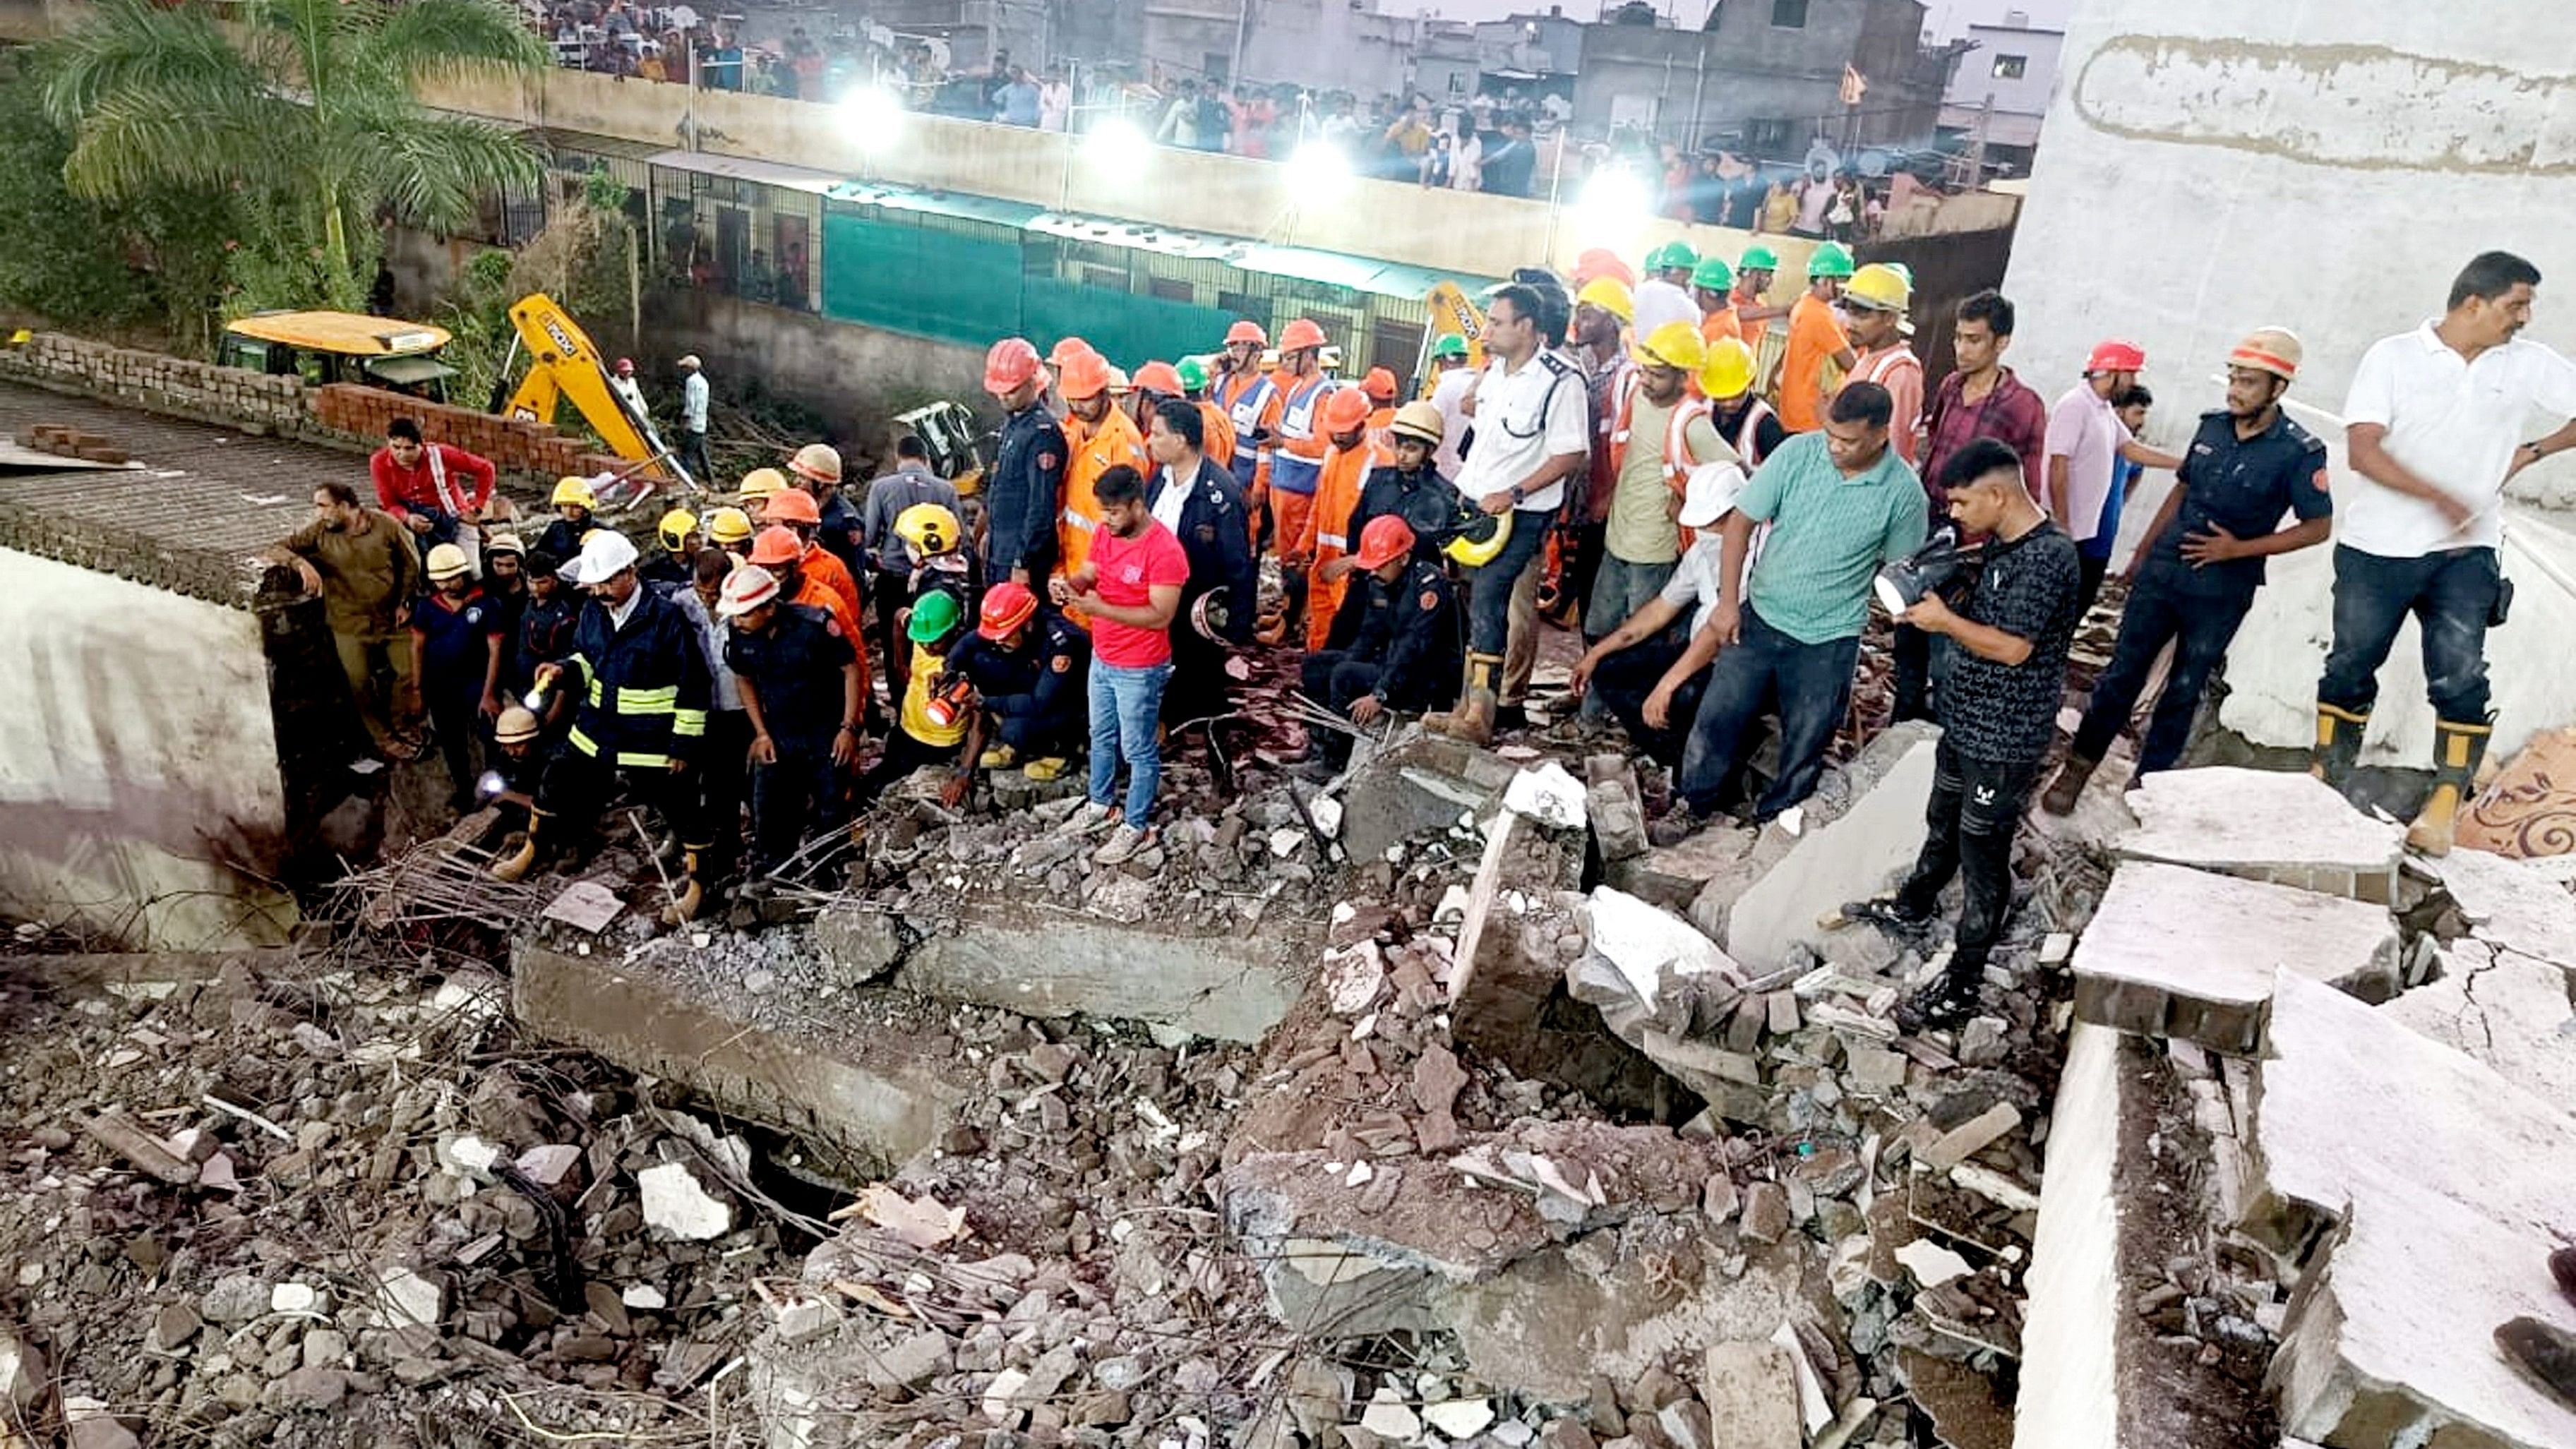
(505,583)
(795,510)
(817,467)
(1025,489)
(673,569)
(1029,665)
(1218,424)
(936,717)
(1346,468)
(1381,387)
(730,530)
(758,487)
(1251,402)
(456,649)
(1102,438)
(803,692)
(574,503)
(641,680)
(778,550)
(1297,457)
(520,762)
(1405,652)
(1407,486)
(544,634)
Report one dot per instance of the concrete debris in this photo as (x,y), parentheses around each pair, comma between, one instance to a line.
(1549,796)
(674,1202)
(1931,1264)
(1753,1390)
(1615,808)
(915,1222)
(2506,1009)
(409,1299)
(2281,826)
(2511,904)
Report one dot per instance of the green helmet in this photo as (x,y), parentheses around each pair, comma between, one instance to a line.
(1449,344)
(1714,274)
(1671,254)
(1758,259)
(1193,373)
(1831,259)
(934,617)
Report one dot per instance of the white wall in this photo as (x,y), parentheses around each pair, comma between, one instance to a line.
(136,752)
(2326,166)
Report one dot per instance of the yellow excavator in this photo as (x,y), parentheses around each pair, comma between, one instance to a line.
(564,363)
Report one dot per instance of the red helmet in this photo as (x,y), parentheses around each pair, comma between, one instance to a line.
(2116,356)
(1246,330)
(1387,538)
(1348,408)
(792,505)
(1300,335)
(1159,377)
(1007,606)
(1602,262)
(1013,361)
(1379,385)
(776,545)
(626,367)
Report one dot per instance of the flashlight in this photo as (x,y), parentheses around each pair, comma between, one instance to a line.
(1902,584)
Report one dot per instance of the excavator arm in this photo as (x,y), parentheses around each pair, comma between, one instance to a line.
(564,364)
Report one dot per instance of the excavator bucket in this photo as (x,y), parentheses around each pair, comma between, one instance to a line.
(1451,311)
(948,433)
(564,364)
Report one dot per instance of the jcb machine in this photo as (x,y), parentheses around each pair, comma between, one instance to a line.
(564,363)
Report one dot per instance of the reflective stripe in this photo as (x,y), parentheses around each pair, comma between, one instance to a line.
(642,760)
(1290,473)
(648,701)
(688,723)
(1078,521)
(583,742)
(1333,540)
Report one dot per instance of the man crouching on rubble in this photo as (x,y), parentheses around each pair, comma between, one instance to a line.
(1998,713)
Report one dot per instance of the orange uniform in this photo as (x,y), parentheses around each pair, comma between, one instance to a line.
(1720,323)
(1096,448)
(1251,401)
(1217,428)
(1297,463)
(1814,338)
(821,567)
(1752,330)
(1346,470)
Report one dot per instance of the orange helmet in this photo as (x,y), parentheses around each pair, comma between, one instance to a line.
(1387,538)
(1159,377)
(1013,361)
(1246,330)
(1067,350)
(1379,385)
(1347,409)
(1602,262)
(792,505)
(1300,335)
(776,545)
(1085,374)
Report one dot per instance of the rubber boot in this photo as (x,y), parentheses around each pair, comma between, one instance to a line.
(2458,747)
(2339,733)
(2562,1266)
(684,906)
(2069,785)
(1473,719)
(2544,1351)
(516,866)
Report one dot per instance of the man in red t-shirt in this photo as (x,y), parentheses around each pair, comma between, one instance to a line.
(436,491)
(1130,586)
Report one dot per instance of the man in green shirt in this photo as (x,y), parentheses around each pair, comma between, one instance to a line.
(362,564)
(1840,502)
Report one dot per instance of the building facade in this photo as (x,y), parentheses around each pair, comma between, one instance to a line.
(1999,90)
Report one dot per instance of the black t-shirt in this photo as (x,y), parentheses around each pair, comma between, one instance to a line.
(795,667)
(2030,588)
(2243,485)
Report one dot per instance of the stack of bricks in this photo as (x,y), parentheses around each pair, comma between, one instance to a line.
(69,442)
(157,382)
(517,445)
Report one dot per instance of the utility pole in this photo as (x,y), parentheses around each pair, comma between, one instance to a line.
(1242,26)
(1977,146)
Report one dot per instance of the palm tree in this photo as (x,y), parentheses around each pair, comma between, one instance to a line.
(306,106)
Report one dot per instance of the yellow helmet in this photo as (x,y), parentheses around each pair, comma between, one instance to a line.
(1878,287)
(728,526)
(575,491)
(929,528)
(1610,295)
(675,528)
(761,482)
(1728,372)
(1676,345)
(1482,540)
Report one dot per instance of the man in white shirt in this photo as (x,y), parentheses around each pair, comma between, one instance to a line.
(1645,678)
(2435,427)
(1533,432)
(1449,394)
(693,422)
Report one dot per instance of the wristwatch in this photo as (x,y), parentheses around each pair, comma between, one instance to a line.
(1517,495)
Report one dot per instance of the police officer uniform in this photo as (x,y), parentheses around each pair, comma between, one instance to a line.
(1405,650)
(1035,693)
(1023,494)
(1427,504)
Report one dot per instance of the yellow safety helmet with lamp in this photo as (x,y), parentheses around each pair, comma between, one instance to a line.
(928,529)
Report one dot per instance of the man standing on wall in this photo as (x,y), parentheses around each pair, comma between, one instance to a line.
(437,491)
(363,566)
(2436,420)
(693,421)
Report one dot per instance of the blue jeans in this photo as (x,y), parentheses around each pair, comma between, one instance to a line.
(2449,593)
(1489,589)
(1125,706)
(1813,684)
(2200,626)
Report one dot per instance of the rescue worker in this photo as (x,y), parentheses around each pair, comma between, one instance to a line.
(723,779)
(1406,486)
(1380,387)
(1252,401)
(574,503)
(1659,434)
(1025,489)
(1739,414)
(1218,427)
(934,723)
(640,678)
(1602,312)
(795,510)
(1066,350)
(1346,468)
(2086,439)
(1753,273)
(1664,294)
(362,565)
(758,487)
(818,467)
(520,762)
(1874,304)
(1816,340)
(889,558)
(505,583)
(730,530)
(802,694)
(1602,262)
(456,648)
(1713,288)
(1155,381)
(930,538)
(1102,438)
(1639,672)
(675,566)
(1404,653)
(1453,381)
(545,629)
(1202,506)
(1297,457)
(1029,667)
(778,550)
(437,491)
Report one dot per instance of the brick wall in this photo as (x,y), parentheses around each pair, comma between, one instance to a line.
(535,449)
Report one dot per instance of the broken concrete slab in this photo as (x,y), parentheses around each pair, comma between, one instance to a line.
(2070,1381)
(1672,876)
(1419,782)
(882,1095)
(2426,1219)
(2192,954)
(2514,905)
(1862,826)
(2506,1009)
(2281,826)
(1040,961)
(1752,1389)
(1615,807)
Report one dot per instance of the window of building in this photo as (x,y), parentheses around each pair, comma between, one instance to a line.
(1789,14)
(2011,67)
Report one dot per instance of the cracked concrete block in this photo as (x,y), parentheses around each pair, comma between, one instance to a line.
(1044,962)
(2426,1219)
(1616,809)
(2270,825)
(2071,1385)
(2506,1009)
(1862,826)
(2190,954)
(1419,782)
(2512,904)
(1672,876)
(1752,1390)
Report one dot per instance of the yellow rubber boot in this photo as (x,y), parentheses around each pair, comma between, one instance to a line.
(515,867)
(1473,719)
(2339,733)
(2457,749)
(684,906)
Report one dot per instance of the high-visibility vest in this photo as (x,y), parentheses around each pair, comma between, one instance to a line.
(1103,446)
(1677,455)
(1337,497)
(1878,367)
(1748,432)
(1251,403)
(1297,464)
